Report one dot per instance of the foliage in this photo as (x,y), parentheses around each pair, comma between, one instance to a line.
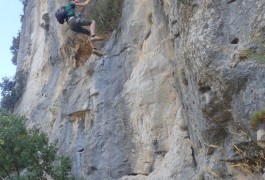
(257,118)
(201,176)
(8,93)
(22,149)
(61,171)
(24,2)
(12,144)
(14,48)
(248,158)
(106,13)
(182,76)
(250,54)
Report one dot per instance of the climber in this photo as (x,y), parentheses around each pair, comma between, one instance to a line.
(76,23)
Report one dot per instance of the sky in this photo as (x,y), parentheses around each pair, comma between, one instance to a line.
(10,26)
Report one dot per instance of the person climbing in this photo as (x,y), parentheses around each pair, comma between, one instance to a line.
(76,24)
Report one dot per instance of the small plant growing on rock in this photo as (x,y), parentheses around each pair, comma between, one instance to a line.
(257,118)
(182,76)
(250,54)
(248,158)
(245,54)
(201,176)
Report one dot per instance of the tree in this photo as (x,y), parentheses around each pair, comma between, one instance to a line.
(12,144)
(8,93)
(24,2)
(21,149)
(15,48)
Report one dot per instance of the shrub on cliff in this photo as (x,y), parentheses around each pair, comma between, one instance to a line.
(24,2)
(8,93)
(106,13)
(21,149)
(257,118)
(15,48)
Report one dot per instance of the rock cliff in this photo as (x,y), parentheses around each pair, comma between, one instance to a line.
(171,98)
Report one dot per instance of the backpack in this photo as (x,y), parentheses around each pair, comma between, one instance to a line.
(60,14)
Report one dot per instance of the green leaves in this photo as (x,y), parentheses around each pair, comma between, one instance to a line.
(106,13)
(8,93)
(257,118)
(15,48)
(22,149)
(12,145)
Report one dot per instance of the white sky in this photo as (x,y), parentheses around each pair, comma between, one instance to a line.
(10,14)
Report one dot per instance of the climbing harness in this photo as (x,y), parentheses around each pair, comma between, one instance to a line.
(77,17)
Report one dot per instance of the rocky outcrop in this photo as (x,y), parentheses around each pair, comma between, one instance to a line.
(170,99)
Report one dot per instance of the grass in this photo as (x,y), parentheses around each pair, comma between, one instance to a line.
(211,172)
(257,118)
(250,165)
(248,158)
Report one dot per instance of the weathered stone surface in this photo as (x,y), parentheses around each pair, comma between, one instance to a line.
(261,135)
(173,93)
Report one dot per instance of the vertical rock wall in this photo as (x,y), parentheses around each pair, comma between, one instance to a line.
(169,99)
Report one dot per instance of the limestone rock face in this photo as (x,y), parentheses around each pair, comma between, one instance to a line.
(174,91)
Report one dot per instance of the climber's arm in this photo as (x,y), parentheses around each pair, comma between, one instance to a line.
(84,4)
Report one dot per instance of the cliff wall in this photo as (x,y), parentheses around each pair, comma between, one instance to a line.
(170,99)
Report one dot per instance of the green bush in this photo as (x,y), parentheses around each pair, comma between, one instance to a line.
(106,13)
(257,118)
(25,3)
(12,89)
(15,48)
(8,93)
(22,149)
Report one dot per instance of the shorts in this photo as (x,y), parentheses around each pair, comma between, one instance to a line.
(75,24)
